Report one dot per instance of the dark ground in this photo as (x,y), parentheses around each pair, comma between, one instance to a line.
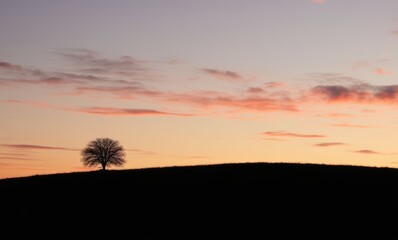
(246,201)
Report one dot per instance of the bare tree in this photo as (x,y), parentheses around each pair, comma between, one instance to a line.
(104,152)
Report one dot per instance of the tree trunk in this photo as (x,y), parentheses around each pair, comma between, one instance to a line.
(103,167)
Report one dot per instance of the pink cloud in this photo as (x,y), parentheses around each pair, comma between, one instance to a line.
(382,71)
(289,134)
(329,144)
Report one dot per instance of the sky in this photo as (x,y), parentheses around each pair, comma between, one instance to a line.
(184,82)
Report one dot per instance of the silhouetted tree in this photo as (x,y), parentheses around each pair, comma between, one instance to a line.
(104,152)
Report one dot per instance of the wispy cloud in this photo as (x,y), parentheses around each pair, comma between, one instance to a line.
(367,151)
(267,97)
(255,90)
(254,99)
(329,144)
(265,88)
(336,115)
(15,75)
(127,112)
(109,111)
(50,81)
(93,59)
(85,67)
(274,139)
(13,154)
(242,102)
(197,157)
(140,151)
(35,147)
(349,125)
(223,75)
(273,102)
(10,68)
(20,165)
(202,100)
(290,134)
(35,104)
(92,62)
(17,158)
(333,78)
(122,92)
(91,74)
(274,84)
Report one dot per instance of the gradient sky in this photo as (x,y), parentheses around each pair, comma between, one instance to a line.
(184,82)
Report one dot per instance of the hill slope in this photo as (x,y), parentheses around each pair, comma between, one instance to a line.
(239,173)
(179,200)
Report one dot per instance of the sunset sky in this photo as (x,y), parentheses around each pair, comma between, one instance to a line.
(187,82)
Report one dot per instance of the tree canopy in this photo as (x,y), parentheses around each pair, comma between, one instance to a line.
(104,152)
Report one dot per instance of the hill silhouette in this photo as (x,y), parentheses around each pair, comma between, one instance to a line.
(225,198)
